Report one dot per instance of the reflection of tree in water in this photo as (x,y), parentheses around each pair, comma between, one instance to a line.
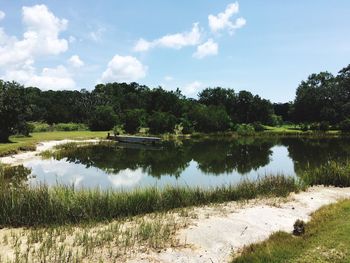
(111,158)
(226,156)
(213,156)
(308,153)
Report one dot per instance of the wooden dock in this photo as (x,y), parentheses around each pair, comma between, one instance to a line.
(134,139)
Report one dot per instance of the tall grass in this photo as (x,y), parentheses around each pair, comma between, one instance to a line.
(331,173)
(61,205)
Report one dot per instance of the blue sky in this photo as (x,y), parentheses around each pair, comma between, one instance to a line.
(266,47)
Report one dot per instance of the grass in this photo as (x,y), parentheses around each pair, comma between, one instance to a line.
(42,205)
(326,239)
(21,143)
(109,242)
(331,173)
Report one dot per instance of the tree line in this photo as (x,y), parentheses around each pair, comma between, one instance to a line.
(321,98)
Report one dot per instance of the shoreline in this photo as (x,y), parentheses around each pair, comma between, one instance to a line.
(21,157)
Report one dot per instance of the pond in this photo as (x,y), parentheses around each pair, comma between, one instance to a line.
(193,162)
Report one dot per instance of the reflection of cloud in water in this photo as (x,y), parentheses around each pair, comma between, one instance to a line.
(53,172)
(126,178)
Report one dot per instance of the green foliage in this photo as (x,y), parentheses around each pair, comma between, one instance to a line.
(304,127)
(134,120)
(245,129)
(13,108)
(102,119)
(161,122)
(258,127)
(344,126)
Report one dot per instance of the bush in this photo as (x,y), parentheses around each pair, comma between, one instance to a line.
(102,119)
(344,126)
(304,127)
(134,119)
(245,129)
(258,127)
(69,127)
(324,126)
(161,122)
(41,127)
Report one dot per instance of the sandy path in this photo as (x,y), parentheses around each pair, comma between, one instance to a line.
(20,158)
(220,231)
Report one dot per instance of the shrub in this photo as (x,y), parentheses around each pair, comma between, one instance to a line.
(324,126)
(258,127)
(134,119)
(161,122)
(102,119)
(304,127)
(69,127)
(245,129)
(344,126)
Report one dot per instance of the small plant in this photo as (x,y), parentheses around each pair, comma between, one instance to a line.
(245,129)
(299,228)
(304,127)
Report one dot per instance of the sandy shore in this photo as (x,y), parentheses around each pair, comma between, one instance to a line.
(223,230)
(20,158)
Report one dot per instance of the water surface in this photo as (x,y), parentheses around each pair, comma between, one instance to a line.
(202,163)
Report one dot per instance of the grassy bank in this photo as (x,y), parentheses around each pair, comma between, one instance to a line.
(20,143)
(326,239)
(26,206)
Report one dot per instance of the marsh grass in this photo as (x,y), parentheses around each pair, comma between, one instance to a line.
(331,173)
(27,206)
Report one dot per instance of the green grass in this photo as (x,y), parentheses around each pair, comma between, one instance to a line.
(27,206)
(331,173)
(20,143)
(326,239)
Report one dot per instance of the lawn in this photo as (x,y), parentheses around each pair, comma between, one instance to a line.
(20,143)
(326,239)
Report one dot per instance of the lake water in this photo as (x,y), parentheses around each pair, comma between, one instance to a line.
(203,163)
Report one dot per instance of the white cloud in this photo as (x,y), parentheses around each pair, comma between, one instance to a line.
(209,48)
(168,78)
(97,35)
(223,20)
(192,89)
(75,61)
(40,38)
(2,15)
(124,69)
(175,41)
(49,78)
(72,39)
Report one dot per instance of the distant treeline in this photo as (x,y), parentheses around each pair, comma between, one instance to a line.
(321,98)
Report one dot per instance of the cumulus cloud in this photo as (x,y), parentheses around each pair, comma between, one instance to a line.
(2,15)
(124,69)
(175,41)
(209,48)
(223,21)
(48,79)
(40,38)
(192,89)
(75,61)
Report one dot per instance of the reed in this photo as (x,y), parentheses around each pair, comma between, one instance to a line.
(26,206)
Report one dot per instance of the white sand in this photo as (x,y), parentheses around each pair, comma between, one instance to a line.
(20,158)
(215,235)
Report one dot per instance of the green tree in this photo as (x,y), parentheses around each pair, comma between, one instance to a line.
(161,122)
(13,108)
(134,119)
(102,119)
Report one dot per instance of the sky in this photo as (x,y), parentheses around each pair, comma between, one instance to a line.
(266,47)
